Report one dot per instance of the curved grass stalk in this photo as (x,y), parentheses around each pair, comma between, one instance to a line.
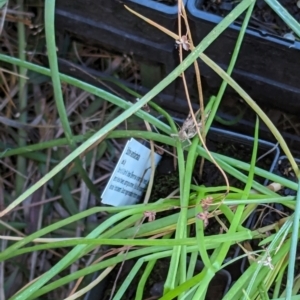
(255,107)
(141,285)
(57,89)
(151,259)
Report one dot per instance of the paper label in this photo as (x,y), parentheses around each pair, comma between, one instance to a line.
(131,175)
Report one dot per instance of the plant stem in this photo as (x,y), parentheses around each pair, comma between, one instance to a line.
(293,250)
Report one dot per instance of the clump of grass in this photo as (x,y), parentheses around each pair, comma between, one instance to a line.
(74,146)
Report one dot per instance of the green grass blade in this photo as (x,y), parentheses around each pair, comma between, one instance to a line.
(255,107)
(285,15)
(294,244)
(252,163)
(233,60)
(59,101)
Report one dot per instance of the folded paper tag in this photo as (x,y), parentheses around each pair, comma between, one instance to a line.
(131,175)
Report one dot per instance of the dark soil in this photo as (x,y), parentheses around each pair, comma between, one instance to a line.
(166,179)
(263,17)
